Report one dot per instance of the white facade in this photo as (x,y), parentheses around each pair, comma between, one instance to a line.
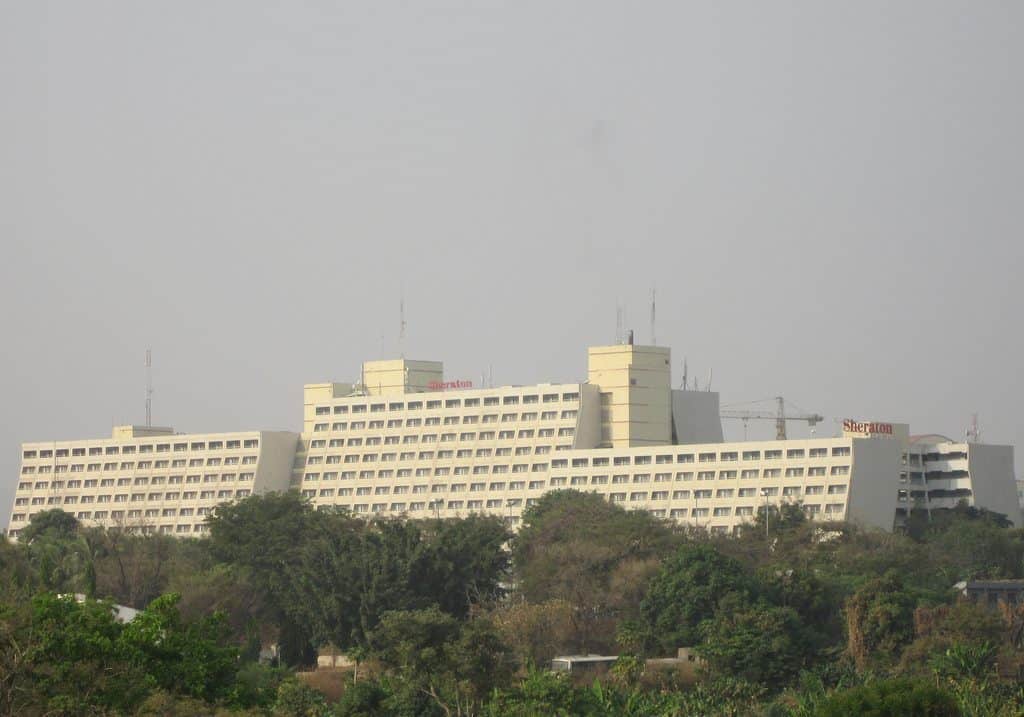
(405,441)
(150,479)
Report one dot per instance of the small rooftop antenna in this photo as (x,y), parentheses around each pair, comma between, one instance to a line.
(973,432)
(654,338)
(684,373)
(711,373)
(149,387)
(401,326)
(618,323)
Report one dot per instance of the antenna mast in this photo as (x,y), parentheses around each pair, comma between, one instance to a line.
(618,322)
(974,433)
(654,339)
(149,387)
(401,326)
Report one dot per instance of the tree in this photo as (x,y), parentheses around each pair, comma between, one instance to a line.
(757,643)
(463,562)
(352,572)
(576,547)
(686,591)
(52,523)
(262,534)
(890,698)
(187,657)
(74,660)
(880,620)
(454,664)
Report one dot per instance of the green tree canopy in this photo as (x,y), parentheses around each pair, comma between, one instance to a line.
(687,590)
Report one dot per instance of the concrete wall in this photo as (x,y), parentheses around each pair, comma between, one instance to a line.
(695,417)
(874,485)
(992,479)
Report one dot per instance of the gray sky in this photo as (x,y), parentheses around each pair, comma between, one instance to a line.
(828,197)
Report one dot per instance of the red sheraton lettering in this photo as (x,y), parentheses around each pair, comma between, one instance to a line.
(449,385)
(867,427)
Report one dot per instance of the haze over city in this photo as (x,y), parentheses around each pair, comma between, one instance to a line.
(827,199)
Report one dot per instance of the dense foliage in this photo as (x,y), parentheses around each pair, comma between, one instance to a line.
(461,617)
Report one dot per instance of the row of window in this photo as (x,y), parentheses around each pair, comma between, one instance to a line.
(526,433)
(434,404)
(223,494)
(141,480)
(711,457)
(141,448)
(422,472)
(138,465)
(500,486)
(437,421)
(103,515)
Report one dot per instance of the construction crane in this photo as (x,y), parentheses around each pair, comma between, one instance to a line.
(779,416)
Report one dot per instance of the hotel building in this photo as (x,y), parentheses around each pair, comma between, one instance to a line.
(147,478)
(405,441)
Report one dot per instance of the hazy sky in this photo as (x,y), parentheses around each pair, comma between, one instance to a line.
(828,197)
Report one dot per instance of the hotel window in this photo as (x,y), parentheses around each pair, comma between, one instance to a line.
(722,512)
(724,493)
(320,427)
(728,456)
(840,451)
(769,491)
(638,495)
(790,491)
(548,415)
(747,492)
(836,489)
(677,513)
(569,414)
(816,471)
(749,473)
(794,472)
(684,458)
(705,475)
(772,473)
(840,470)
(795,453)
(725,475)
(814,490)
(818,452)
(706,458)
(686,475)
(702,494)
(617,497)
(599,480)
(745,510)
(772,455)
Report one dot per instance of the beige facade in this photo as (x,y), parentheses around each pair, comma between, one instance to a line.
(147,478)
(405,441)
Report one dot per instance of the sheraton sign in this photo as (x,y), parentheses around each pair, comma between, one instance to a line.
(449,385)
(867,428)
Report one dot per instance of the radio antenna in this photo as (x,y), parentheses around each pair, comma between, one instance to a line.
(149,387)
(401,326)
(654,338)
